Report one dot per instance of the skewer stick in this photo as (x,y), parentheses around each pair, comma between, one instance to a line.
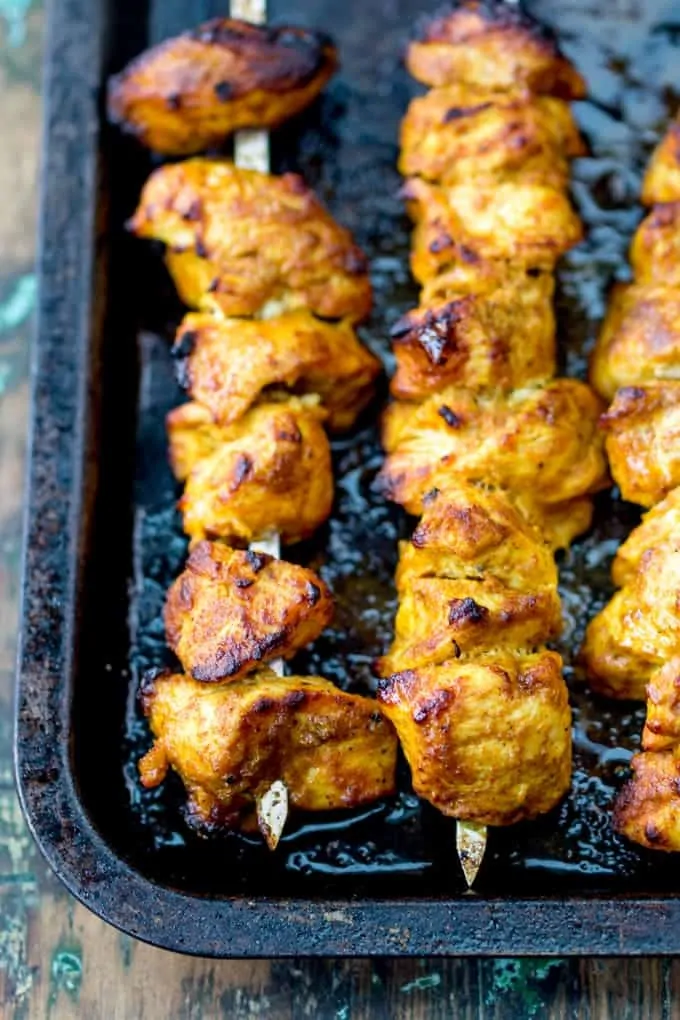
(251,151)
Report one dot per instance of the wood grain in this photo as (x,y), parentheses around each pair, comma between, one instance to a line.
(59,961)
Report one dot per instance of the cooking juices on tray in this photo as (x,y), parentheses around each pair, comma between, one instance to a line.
(632,648)
(499,457)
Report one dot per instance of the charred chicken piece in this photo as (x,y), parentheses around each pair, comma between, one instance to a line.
(241,242)
(268,472)
(655,251)
(189,93)
(231,610)
(493,45)
(230,742)
(640,338)
(461,133)
(643,441)
(499,339)
(528,224)
(662,179)
(228,364)
(639,629)
(487,740)
(662,726)
(647,810)
(541,443)
(475,576)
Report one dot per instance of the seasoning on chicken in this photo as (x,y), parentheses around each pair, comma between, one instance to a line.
(230,742)
(643,440)
(189,93)
(662,179)
(231,610)
(268,472)
(530,225)
(494,45)
(647,810)
(241,242)
(497,340)
(655,251)
(542,441)
(639,340)
(459,133)
(228,364)
(475,576)
(487,740)
(639,629)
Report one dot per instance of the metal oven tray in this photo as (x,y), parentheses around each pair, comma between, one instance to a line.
(103,539)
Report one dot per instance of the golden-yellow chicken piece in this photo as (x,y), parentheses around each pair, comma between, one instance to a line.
(529,224)
(230,742)
(460,133)
(231,610)
(475,576)
(639,340)
(643,441)
(662,726)
(662,179)
(497,340)
(658,529)
(639,629)
(494,45)
(655,251)
(542,443)
(647,810)
(269,472)
(189,93)
(227,364)
(241,242)
(487,740)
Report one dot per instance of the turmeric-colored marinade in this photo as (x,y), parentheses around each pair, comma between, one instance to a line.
(632,648)
(270,359)
(497,457)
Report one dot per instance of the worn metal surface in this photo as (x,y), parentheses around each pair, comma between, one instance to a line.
(382,883)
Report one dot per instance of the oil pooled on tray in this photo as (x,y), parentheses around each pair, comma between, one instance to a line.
(346,148)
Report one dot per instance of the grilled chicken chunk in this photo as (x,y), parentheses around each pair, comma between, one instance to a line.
(528,224)
(540,443)
(647,810)
(475,576)
(655,251)
(662,726)
(493,45)
(639,340)
(227,364)
(639,630)
(499,340)
(230,611)
(461,133)
(643,440)
(269,472)
(191,92)
(487,740)
(662,179)
(230,742)
(241,242)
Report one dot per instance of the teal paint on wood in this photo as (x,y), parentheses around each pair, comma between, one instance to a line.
(20,302)
(66,973)
(14,12)
(525,982)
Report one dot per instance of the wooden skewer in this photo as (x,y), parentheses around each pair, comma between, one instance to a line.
(251,151)
(471,846)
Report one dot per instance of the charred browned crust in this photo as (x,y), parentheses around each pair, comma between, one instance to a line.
(190,92)
(231,610)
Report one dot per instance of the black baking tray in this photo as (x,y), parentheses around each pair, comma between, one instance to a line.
(103,541)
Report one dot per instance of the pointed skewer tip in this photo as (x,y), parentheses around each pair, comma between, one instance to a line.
(471,845)
(272,813)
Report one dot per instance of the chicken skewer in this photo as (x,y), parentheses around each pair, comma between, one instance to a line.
(493,115)
(632,647)
(230,610)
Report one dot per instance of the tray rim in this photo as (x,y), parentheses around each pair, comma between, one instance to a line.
(55,526)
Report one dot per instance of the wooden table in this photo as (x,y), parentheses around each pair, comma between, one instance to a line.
(56,959)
